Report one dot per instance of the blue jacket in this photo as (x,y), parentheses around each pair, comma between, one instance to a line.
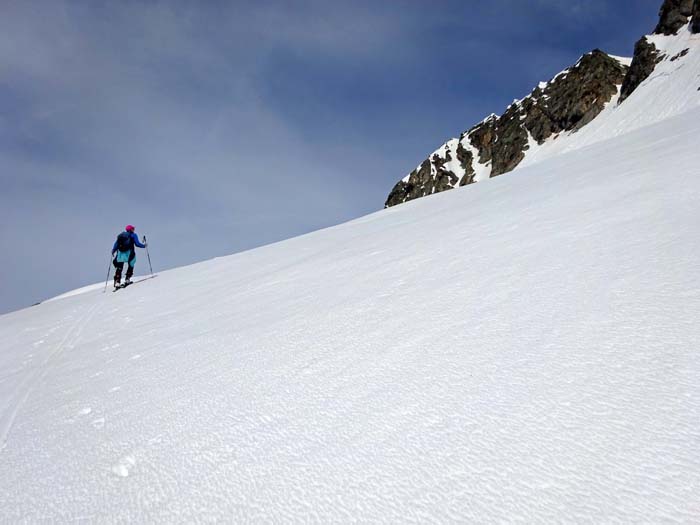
(134,238)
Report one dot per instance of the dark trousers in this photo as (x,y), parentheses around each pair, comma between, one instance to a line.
(120,266)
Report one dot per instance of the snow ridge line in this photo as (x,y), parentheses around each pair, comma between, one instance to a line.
(29,383)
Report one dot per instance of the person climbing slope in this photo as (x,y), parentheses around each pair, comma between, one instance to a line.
(125,253)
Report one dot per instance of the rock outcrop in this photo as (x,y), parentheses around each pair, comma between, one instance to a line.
(673,15)
(498,144)
(565,104)
(646,56)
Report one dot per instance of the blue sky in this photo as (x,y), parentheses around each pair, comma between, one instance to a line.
(216,127)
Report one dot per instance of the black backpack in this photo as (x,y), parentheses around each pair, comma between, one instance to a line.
(124,242)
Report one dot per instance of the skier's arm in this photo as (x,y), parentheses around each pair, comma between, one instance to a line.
(137,242)
(114,248)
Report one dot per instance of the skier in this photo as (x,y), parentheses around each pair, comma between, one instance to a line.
(125,253)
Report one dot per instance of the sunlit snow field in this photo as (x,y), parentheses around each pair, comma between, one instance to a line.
(526,347)
(522,349)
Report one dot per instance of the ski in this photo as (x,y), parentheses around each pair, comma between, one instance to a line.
(124,285)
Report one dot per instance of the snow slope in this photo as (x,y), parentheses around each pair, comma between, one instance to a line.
(525,349)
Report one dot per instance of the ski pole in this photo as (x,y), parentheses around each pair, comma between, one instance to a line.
(148,255)
(109,269)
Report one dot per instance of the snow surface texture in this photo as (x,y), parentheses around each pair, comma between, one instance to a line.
(525,349)
(522,349)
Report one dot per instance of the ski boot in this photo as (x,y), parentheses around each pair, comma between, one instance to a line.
(117,278)
(129,275)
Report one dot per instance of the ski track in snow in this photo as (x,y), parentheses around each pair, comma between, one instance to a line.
(33,378)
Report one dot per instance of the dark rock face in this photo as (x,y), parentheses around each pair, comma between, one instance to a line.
(680,55)
(646,56)
(673,15)
(501,141)
(430,177)
(566,103)
(419,185)
(572,102)
(402,192)
(465,158)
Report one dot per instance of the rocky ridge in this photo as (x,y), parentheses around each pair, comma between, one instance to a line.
(497,145)
(566,103)
(646,56)
(673,16)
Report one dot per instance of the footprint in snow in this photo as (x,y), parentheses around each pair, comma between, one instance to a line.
(135,357)
(85,411)
(114,389)
(124,466)
(98,423)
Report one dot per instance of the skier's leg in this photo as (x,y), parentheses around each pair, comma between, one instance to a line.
(130,269)
(118,272)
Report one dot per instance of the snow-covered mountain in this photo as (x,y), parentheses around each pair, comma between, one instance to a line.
(525,349)
(590,91)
